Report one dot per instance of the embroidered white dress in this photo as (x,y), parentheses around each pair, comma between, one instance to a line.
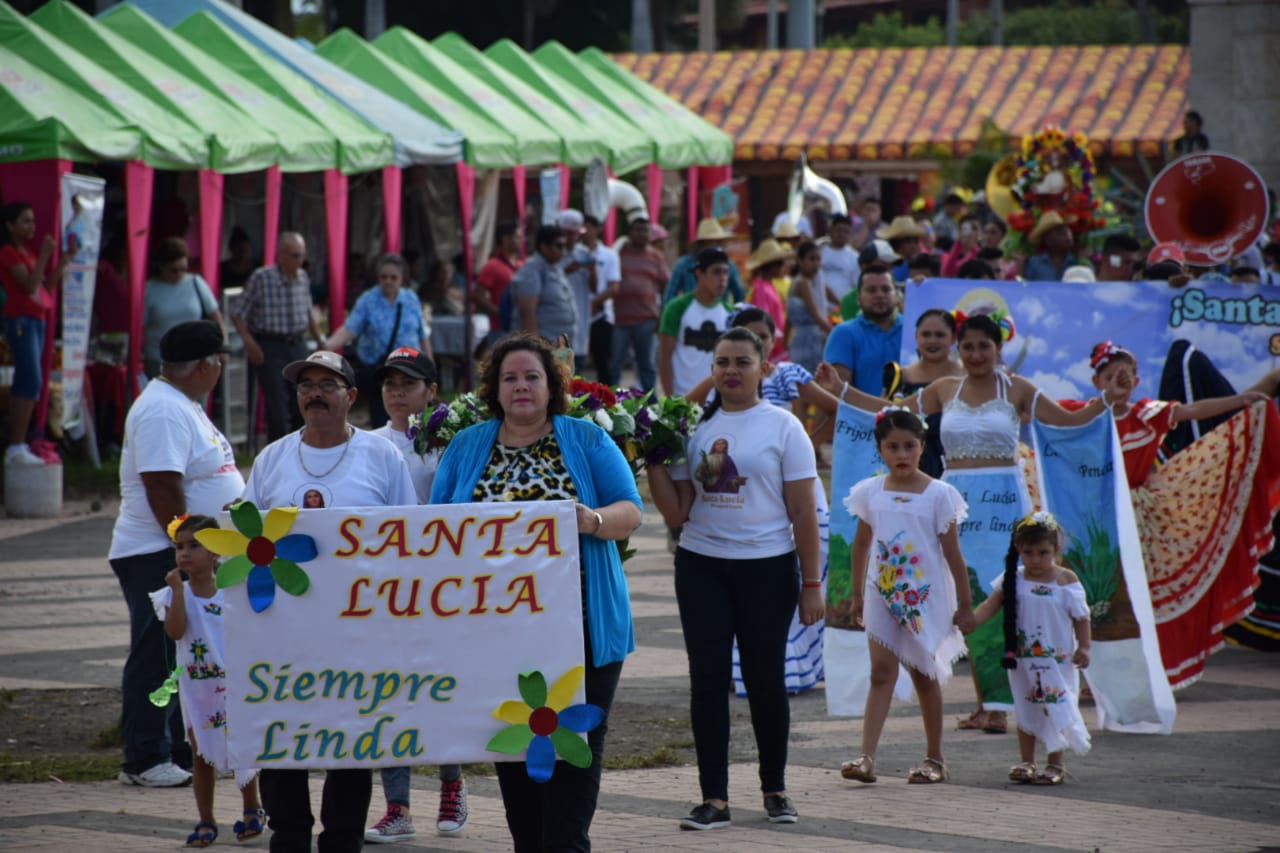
(1046,684)
(202,684)
(910,596)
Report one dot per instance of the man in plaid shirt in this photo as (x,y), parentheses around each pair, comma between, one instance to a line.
(274,317)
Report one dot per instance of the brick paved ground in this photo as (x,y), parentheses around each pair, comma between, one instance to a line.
(1209,786)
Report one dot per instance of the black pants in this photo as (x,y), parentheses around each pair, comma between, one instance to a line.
(278,397)
(600,347)
(555,816)
(753,599)
(151,735)
(344,806)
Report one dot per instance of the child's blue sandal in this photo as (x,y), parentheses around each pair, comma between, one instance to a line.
(206,833)
(252,826)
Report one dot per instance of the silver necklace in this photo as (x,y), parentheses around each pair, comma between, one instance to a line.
(346,445)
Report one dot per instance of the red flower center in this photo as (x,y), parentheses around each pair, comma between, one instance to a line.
(544,721)
(261,551)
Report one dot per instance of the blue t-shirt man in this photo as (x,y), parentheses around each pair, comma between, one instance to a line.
(860,348)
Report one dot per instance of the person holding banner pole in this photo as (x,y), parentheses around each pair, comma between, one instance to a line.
(347,467)
(531,451)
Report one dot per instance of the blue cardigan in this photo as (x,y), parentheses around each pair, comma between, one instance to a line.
(601,476)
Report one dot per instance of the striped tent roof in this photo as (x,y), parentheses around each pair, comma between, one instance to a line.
(898,103)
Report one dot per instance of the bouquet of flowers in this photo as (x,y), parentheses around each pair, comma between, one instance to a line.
(433,429)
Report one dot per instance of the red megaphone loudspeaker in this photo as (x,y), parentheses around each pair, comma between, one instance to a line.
(1213,206)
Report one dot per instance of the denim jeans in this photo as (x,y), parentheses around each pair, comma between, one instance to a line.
(556,815)
(151,735)
(754,599)
(642,340)
(395,782)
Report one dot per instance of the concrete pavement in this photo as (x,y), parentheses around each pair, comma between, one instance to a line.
(1212,785)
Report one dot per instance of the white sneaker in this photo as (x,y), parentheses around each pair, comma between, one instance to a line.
(20,454)
(167,775)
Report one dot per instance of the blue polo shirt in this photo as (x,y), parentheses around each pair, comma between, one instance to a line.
(865,348)
(1040,268)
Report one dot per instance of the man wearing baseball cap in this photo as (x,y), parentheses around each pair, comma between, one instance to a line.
(328,463)
(174,461)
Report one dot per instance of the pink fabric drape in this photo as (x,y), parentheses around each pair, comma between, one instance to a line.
(271,216)
(210,183)
(564,187)
(519,183)
(691,211)
(610,219)
(466,203)
(392,181)
(138,181)
(39,184)
(335,232)
(653,190)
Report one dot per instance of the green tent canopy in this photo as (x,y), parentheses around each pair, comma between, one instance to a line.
(485,144)
(536,144)
(42,118)
(306,146)
(580,144)
(362,147)
(630,147)
(673,148)
(716,146)
(236,144)
(167,142)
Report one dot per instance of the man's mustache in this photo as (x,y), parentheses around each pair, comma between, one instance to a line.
(317,402)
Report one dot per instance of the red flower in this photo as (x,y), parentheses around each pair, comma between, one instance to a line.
(911,597)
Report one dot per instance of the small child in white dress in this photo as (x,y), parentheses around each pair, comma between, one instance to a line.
(918,593)
(1046,628)
(192,614)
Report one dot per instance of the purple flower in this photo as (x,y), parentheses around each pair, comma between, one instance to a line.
(412,431)
(643,418)
(437,417)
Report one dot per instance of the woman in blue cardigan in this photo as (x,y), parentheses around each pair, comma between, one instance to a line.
(531,451)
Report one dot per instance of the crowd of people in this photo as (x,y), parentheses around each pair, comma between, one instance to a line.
(821,324)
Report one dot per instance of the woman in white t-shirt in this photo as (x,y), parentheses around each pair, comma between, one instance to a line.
(745,501)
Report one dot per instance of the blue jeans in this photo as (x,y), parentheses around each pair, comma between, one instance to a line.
(641,339)
(151,735)
(395,782)
(719,597)
(26,342)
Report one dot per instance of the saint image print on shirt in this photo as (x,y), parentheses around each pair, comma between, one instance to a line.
(313,497)
(716,470)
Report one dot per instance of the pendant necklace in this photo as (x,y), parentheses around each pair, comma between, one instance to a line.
(346,445)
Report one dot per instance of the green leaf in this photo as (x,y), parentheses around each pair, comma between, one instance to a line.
(289,576)
(533,689)
(511,739)
(247,519)
(234,571)
(571,747)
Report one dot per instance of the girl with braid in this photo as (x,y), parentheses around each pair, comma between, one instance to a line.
(1046,638)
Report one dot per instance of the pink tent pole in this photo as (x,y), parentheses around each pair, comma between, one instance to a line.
(653,190)
(210,226)
(610,220)
(335,232)
(519,182)
(138,181)
(564,187)
(691,214)
(466,202)
(271,216)
(392,181)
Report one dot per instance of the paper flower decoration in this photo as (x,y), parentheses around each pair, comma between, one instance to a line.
(262,552)
(545,723)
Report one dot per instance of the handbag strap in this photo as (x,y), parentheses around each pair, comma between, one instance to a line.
(395,330)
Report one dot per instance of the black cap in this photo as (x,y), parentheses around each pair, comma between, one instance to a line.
(711,255)
(192,341)
(330,361)
(410,362)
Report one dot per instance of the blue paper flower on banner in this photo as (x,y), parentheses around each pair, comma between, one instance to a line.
(261,551)
(546,724)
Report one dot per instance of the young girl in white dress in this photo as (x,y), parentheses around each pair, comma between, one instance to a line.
(916,592)
(1046,629)
(192,614)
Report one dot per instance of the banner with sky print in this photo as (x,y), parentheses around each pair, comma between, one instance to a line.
(1082,483)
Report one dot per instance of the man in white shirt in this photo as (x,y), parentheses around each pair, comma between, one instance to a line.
(174,461)
(839,260)
(608,279)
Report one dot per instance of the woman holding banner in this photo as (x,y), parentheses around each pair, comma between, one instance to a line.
(530,451)
(981,415)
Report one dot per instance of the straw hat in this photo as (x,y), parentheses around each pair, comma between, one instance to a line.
(1048,221)
(899,228)
(710,229)
(786,231)
(766,253)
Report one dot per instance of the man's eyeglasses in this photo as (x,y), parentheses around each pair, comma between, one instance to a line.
(324,386)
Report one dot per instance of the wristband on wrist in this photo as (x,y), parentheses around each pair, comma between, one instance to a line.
(808,584)
(599,522)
